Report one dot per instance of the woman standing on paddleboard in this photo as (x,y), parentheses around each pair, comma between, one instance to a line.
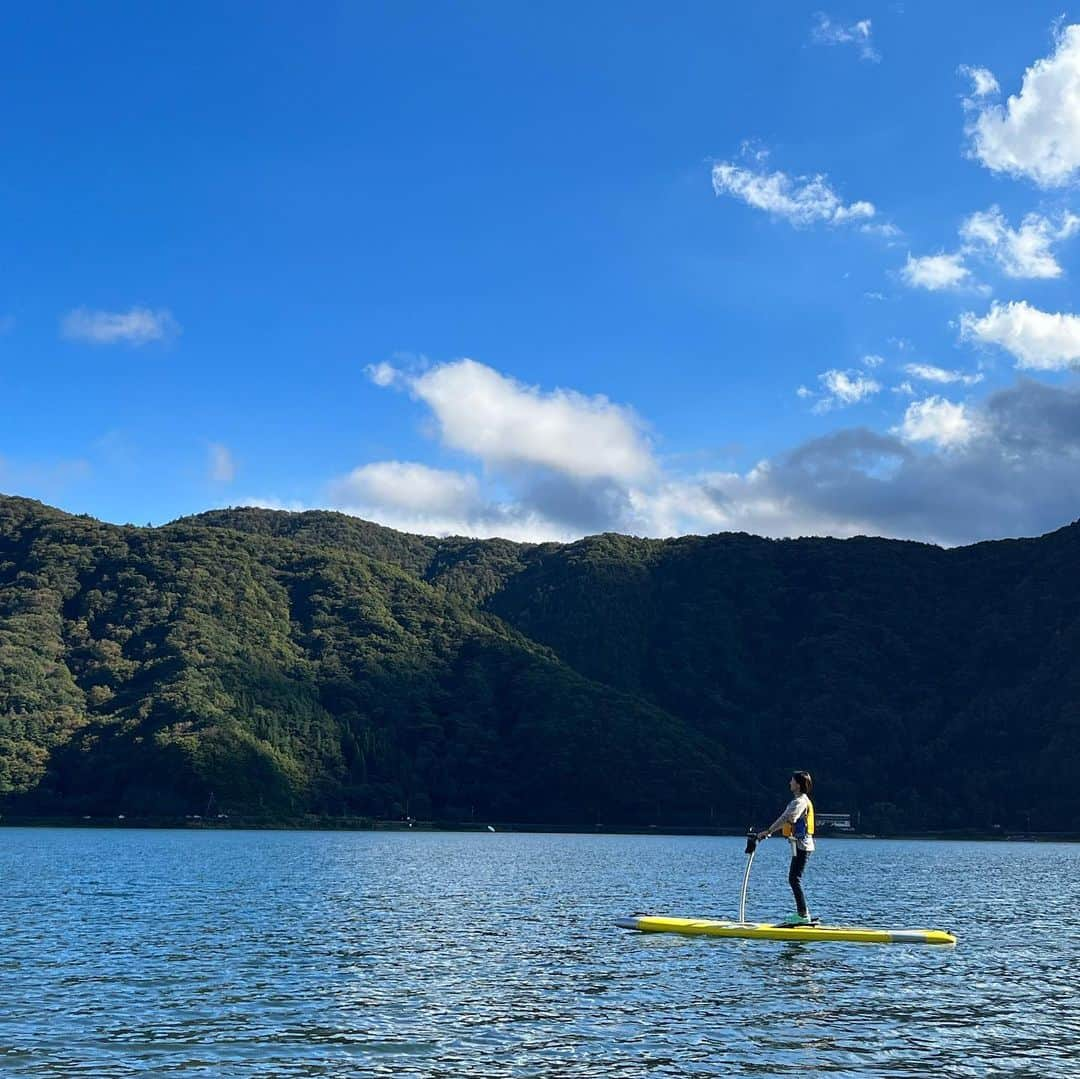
(797,822)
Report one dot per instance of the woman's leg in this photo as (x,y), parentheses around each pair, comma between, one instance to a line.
(798,864)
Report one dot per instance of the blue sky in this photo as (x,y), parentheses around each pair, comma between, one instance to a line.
(546,270)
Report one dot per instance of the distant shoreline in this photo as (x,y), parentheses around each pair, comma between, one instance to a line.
(363,824)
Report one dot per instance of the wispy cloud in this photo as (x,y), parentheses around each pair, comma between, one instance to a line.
(857,34)
(139,326)
(929,373)
(801,200)
(844,388)
(983,83)
(885,229)
(42,479)
(382,374)
(1024,252)
(221,466)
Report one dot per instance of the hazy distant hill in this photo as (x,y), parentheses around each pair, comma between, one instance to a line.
(318,663)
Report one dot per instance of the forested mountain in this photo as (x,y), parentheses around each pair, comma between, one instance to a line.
(316,663)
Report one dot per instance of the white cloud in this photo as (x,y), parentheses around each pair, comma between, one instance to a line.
(948,472)
(983,83)
(1023,252)
(945,424)
(507,424)
(382,374)
(1010,468)
(1039,340)
(872,361)
(858,34)
(804,391)
(139,326)
(756,501)
(563,460)
(221,464)
(1036,134)
(802,200)
(905,388)
(410,487)
(1006,468)
(885,229)
(928,373)
(844,388)
(936,272)
(413,497)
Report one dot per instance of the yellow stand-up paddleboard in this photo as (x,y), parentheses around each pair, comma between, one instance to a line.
(744,930)
(705,927)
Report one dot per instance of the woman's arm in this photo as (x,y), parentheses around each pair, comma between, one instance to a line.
(787,816)
(775,826)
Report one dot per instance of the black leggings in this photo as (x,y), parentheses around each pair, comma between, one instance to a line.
(794,878)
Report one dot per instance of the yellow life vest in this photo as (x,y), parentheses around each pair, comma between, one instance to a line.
(804,826)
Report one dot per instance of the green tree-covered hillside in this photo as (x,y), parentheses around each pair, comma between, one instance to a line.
(317,663)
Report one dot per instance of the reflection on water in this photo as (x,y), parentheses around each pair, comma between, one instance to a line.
(356,954)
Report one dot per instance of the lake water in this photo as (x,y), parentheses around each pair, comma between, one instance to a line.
(128,952)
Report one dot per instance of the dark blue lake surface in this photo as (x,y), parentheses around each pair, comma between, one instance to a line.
(354,954)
